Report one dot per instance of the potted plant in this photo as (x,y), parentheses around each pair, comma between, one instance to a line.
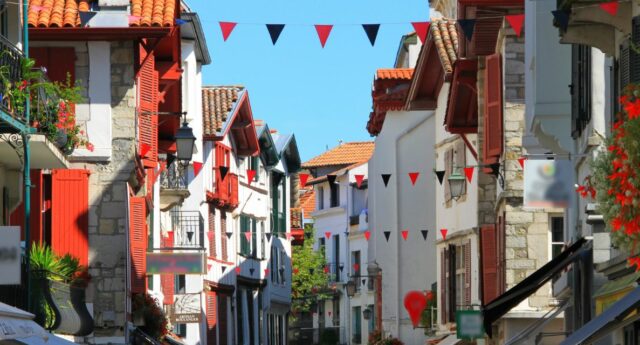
(148,315)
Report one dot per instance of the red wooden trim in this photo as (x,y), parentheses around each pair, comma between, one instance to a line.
(469,146)
(461,104)
(222,288)
(96,34)
(488,255)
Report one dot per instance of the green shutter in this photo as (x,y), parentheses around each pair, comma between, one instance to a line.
(244,227)
(254,238)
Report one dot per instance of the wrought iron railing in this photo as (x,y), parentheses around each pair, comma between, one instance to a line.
(11,61)
(174,177)
(188,229)
(334,270)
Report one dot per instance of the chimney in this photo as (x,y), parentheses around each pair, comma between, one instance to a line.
(111,13)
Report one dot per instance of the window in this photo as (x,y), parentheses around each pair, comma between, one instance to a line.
(372,319)
(336,254)
(180,284)
(254,164)
(580,88)
(248,246)
(4,31)
(356,326)
(278,203)
(557,236)
(180,330)
(452,289)
(460,276)
(335,195)
(355,268)
(320,198)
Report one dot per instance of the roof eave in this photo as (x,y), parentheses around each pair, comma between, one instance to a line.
(202,53)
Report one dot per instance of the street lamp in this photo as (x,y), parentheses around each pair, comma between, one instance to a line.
(351,288)
(184,142)
(456,185)
(367,313)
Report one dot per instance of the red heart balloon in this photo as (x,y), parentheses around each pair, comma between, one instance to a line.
(415,302)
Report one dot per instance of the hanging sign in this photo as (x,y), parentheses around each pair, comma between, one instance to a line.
(469,324)
(176,263)
(548,183)
(10,255)
(186,308)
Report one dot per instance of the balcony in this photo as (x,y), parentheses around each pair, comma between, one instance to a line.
(13,118)
(188,230)
(225,191)
(335,272)
(173,186)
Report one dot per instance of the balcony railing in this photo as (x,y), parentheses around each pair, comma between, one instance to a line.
(225,192)
(11,61)
(188,230)
(174,177)
(335,271)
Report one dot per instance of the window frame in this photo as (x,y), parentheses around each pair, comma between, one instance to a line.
(334,196)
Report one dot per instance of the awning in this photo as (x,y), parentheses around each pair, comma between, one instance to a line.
(508,300)
(450,340)
(612,318)
(536,327)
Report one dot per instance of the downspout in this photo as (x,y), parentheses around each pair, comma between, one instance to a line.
(400,136)
(27,159)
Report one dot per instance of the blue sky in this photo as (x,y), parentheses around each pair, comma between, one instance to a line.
(321,95)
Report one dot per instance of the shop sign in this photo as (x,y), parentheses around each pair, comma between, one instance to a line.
(10,255)
(186,308)
(176,263)
(548,183)
(469,324)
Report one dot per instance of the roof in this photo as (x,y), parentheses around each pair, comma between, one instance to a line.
(65,13)
(308,202)
(345,154)
(338,172)
(287,148)
(394,73)
(445,37)
(218,104)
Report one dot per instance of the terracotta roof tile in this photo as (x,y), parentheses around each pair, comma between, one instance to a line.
(308,202)
(445,37)
(64,13)
(395,73)
(217,103)
(345,154)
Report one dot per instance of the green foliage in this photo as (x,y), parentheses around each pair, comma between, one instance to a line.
(147,308)
(308,287)
(429,315)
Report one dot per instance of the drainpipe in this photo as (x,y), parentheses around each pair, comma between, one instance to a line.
(27,159)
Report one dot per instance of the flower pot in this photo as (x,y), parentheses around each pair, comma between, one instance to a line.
(61,139)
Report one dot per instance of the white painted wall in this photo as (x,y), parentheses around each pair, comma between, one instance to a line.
(403,146)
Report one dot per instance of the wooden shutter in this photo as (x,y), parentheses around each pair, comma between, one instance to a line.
(493,123)
(168,280)
(70,213)
(148,107)
(488,259)
(634,58)
(461,161)
(452,300)
(212,317)
(624,69)
(223,238)
(59,62)
(500,249)
(443,285)
(580,88)
(138,243)
(212,232)
(448,169)
(467,273)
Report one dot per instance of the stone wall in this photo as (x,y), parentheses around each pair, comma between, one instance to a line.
(108,201)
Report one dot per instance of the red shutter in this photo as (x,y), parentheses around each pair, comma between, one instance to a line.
(212,317)
(59,62)
(443,286)
(138,243)
(148,107)
(39,207)
(493,123)
(70,213)
(500,236)
(223,234)
(222,323)
(467,273)
(212,232)
(489,261)
(168,280)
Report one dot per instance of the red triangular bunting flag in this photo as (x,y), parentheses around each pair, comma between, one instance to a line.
(516,21)
(359,179)
(414,177)
(610,7)
(521,161)
(288,235)
(329,314)
(251,174)
(266,271)
(444,233)
(303,179)
(226,28)
(367,234)
(468,172)
(326,268)
(144,149)
(323,33)
(247,235)
(422,29)
(356,267)
(327,234)
(238,269)
(197,166)
(209,267)
(405,234)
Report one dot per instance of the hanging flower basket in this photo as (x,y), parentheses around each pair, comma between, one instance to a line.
(616,176)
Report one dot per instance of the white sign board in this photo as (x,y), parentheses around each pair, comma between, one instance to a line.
(186,308)
(10,255)
(548,183)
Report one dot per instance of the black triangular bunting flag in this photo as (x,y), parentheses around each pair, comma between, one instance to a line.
(170,159)
(372,32)
(424,234)
(341,267)
(268,234)
(229,234)
(251,270)
(331,179)
(223,269)
(190,235)
(223,172)
(387,234)
(86,16)
(364,281)
(440,175)
(311,270)
(562,18)
(308,235)
(274,31)
(385,179)
(467,26)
